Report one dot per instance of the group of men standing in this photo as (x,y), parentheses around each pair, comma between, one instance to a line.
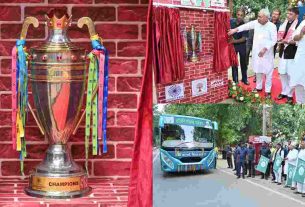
(245,161)
(271,36)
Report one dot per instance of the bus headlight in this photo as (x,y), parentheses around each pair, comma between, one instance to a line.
(167,161)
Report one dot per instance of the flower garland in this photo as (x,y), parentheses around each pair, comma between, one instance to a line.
(243,93)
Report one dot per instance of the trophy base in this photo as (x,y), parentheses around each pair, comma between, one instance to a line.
(58,176)
(194,59)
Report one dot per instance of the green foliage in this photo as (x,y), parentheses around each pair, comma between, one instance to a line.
(257,5)
(288,122)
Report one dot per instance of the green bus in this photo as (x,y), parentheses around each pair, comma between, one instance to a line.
(187,143)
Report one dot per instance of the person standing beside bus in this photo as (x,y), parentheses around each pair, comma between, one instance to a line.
(290,159)
(229,156)
(272,150)
(241,160)
(235,157)
(251,160)
(278,173)
(265,151)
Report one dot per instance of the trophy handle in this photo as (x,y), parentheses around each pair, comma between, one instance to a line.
(87,21)
(26,23)
(80,23)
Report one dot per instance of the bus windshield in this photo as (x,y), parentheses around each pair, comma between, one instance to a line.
(173,135)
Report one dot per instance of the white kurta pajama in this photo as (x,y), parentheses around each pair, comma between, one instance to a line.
(300,186)
(297,70)
(291,159)
(286,63)
(265,36)
(278,173)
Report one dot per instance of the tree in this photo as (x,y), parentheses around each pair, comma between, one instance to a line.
(255,6)
(237,122)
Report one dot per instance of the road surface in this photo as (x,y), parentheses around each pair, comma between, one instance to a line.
(218,188)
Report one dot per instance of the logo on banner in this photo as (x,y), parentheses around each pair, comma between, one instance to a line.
(218,3)
(199,87)
(217,83)
(174,92)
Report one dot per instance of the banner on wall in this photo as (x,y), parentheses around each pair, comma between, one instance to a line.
(174,92)
(217,83)
(199,3)
(218,3)
(199,87)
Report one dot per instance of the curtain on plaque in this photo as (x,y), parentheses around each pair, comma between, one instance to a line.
(140,187)
(167,45)
(224,53)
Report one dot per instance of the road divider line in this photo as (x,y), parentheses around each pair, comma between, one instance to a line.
(268,189)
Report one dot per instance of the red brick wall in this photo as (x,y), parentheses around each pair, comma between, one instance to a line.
(121,23)
(204,21)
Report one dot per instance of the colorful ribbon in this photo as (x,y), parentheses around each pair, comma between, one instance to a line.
(96,108)
(19,99)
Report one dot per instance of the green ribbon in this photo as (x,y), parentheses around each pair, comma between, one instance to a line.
(91,107)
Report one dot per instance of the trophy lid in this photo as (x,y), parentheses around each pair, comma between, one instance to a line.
(58,19)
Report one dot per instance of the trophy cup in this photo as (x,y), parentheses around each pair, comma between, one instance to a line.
(58,77)
(192,41)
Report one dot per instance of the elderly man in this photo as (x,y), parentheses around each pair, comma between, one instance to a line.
(291,158)
(265,37)
(287,50)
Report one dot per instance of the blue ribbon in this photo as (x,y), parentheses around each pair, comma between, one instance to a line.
(96,45)
(22,75)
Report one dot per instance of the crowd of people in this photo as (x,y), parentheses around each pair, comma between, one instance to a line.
(264,37)
(244,159)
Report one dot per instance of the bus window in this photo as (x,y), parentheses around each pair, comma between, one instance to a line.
(185,133)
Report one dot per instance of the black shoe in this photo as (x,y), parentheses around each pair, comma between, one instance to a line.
(292,188)
(262,177)
(266,178)
(246,83)
(273,181)
(303,194)
(248,176)
(279,183)
(296,192)
(268,95)
(243,177)
(289,100)
(286,186)
(281,96)
(238,177)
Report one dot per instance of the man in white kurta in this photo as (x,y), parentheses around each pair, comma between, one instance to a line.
(287,50)
(278,173)
(296,71)
(291,158)
(265,37)
(300,186)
